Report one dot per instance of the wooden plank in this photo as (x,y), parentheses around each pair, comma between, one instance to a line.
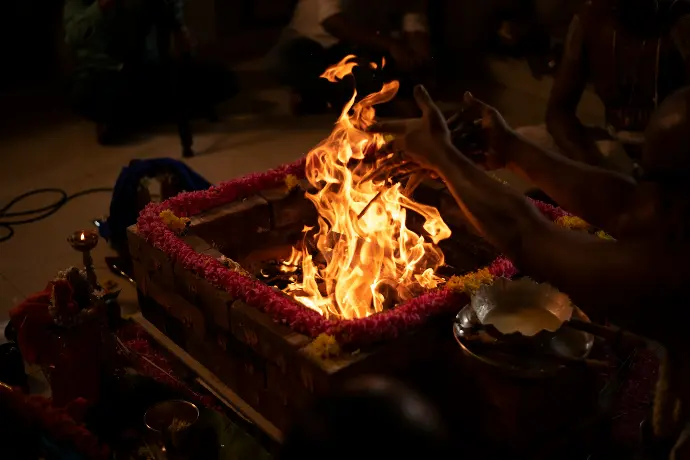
(237,403)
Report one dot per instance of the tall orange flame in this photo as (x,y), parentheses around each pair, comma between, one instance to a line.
(369,258)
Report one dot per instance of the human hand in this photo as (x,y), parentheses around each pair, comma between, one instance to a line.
(424,140)
(496,130)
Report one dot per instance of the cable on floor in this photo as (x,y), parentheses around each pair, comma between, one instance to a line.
(10,220)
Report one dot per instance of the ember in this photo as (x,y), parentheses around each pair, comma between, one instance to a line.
(369,257)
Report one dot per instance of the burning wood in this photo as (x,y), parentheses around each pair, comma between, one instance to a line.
(370,258)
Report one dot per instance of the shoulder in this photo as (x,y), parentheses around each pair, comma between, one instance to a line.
(680,34)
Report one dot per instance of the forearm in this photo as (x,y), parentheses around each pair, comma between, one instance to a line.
(609,280)
(495,210)
(572,137)
(340,27)
(597,195)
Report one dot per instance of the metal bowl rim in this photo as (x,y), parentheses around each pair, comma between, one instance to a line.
(498,366)
(188,403)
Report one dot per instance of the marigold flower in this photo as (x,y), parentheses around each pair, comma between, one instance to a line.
(325,346)
(572,222)
(291,181)
(174,223)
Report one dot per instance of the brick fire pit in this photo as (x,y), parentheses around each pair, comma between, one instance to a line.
(273,367)
(379,271)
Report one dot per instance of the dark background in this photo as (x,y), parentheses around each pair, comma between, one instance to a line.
(32,49)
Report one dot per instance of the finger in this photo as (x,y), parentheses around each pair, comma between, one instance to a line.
(472,101)
(389,127)
(485,109)
(424,101)
(458,133)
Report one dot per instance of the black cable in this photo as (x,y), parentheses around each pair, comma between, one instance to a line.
(39,213)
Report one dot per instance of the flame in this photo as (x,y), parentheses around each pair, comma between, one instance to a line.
(82,236)
(369,259)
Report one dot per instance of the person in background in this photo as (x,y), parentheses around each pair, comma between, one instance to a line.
(371,418)
(634,53)
(610,279)
(124,76)
(391,33)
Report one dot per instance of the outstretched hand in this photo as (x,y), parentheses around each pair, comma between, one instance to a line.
(424,140)
(495,129)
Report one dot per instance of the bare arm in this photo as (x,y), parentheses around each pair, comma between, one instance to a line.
(637,285)
(569,84)
(609,279)
(601,197)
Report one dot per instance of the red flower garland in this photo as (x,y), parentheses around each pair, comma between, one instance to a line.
(60,425)
(382,326)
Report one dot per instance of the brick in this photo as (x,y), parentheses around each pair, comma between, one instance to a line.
(274,342)
(213,302)
(290,208)
(216,359)
(232,228)
(135,243)
(251,371)
(186,313)
(289,391)
(276,410)
(155,262)
(152,311)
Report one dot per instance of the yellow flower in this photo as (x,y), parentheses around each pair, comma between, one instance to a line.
(291,181)
(495,177)
(470,282)
(388,138)
(174,223)
(604,236)
(572,222)
(325,346)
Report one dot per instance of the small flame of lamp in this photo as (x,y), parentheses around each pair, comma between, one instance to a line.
(85,241)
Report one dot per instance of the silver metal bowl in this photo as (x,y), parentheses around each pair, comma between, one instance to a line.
(518,345)
(161,416)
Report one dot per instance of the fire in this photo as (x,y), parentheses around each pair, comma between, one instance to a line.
(370,255)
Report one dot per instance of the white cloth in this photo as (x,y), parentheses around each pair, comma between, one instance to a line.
(309,16)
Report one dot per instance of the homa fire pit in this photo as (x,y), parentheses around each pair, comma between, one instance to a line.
(284,283)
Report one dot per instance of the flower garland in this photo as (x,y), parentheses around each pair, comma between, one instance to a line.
(380,327)
(60,425)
